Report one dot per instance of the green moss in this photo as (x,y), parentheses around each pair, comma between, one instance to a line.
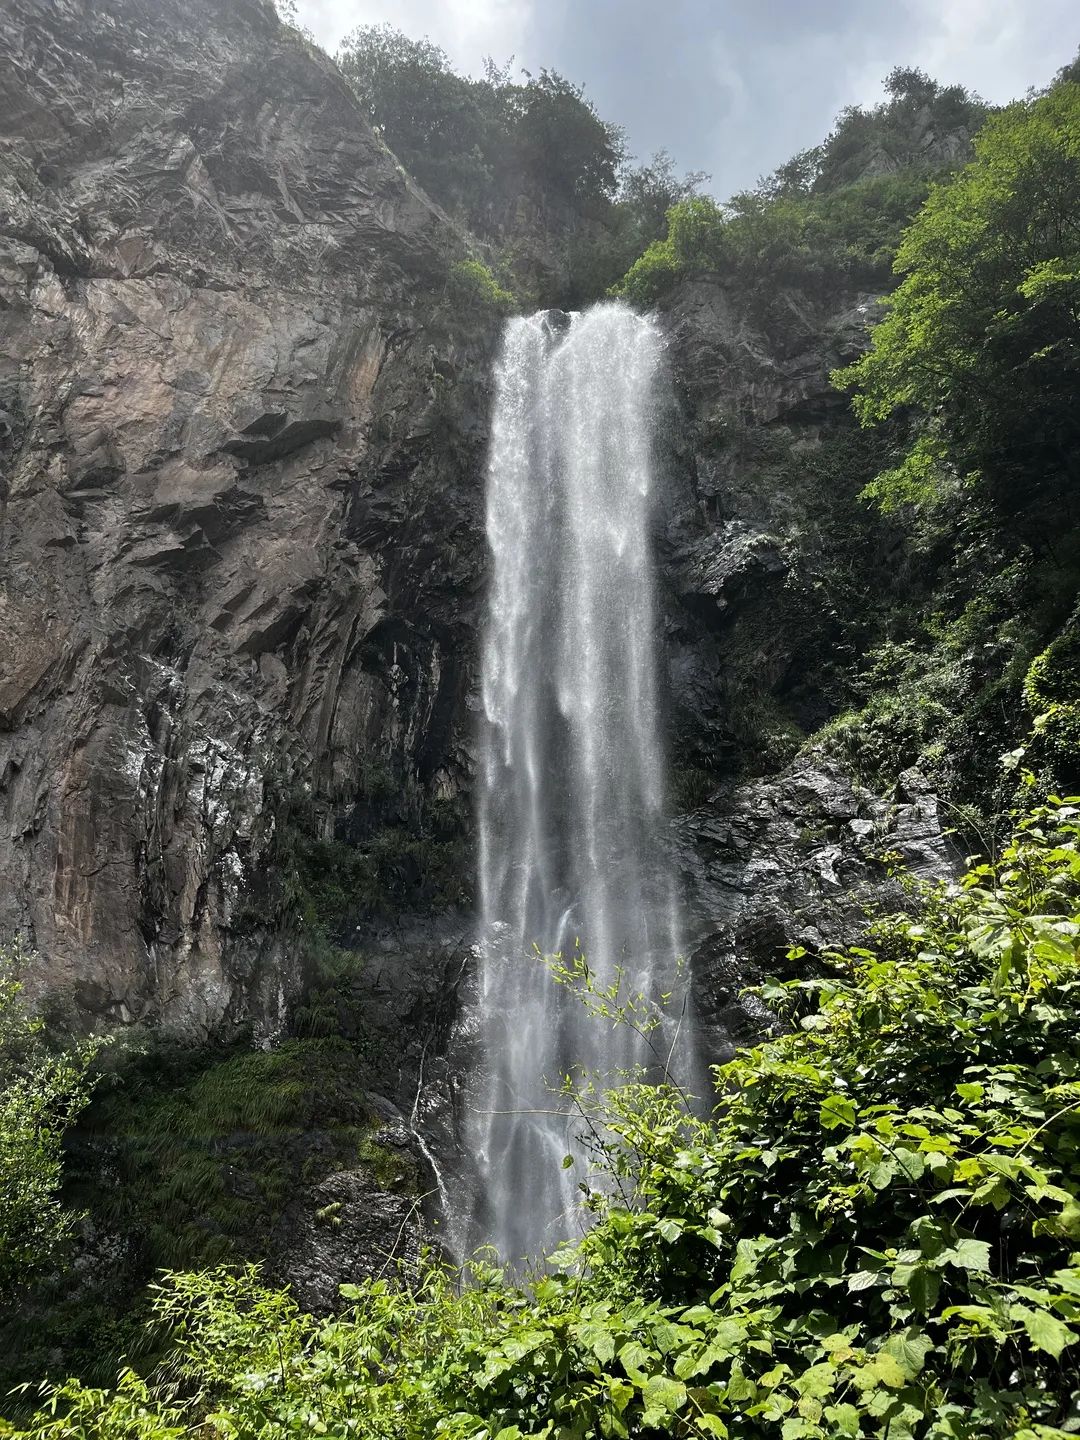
(207,1151)
(189,1158)
(390,1169)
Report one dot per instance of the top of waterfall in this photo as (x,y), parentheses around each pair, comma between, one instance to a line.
(555,322)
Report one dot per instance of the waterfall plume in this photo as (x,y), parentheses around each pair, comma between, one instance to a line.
(572,788)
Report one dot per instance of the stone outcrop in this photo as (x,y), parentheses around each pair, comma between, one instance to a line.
(237,509)
(794,861)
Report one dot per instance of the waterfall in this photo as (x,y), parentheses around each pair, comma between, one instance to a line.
(572,775)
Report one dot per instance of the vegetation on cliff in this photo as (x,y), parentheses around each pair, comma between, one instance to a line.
(982,339)
(976,360)
(525,162)
(877,1232)
(832,214)
(41,1094)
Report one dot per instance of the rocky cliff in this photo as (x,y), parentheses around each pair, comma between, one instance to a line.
(237,509)
(242,430)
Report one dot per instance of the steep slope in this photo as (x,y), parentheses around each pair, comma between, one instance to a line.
(238,560)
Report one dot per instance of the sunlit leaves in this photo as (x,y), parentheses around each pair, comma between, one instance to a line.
(982,340)
(875,1234)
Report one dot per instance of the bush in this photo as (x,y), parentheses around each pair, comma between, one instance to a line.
(875,1234)
(41,1094)
(472,284)
(1052,694)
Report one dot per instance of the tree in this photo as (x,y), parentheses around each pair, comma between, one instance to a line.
(562,143)
(982,339)
(41,1094)
(442,127)
(649,191)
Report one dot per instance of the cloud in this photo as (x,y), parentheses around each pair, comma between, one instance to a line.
(734,87)
(466,29)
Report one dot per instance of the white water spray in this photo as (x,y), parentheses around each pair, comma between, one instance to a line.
(572,773)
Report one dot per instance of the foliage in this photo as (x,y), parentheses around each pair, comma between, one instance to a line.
(876,1233)
(403,849)
(473,285)
(832,214)
(1052,693)
(526,163)
(475,143)
(982,339)
(917,114)
(648,191)
(208,1150)
(41,1095)
(935,691)
(820,240)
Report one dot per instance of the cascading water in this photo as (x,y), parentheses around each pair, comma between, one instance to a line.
(572,773)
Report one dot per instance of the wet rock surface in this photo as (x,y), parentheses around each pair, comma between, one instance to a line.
(798,860)
(239,517)
(353,1226)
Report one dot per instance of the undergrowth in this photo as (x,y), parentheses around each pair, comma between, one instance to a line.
(876,1233)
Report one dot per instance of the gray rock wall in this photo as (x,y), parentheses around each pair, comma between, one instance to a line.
(242,438)
(238,540)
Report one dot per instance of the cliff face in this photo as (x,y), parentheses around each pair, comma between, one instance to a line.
(237,514)
(243,432)
(243,424)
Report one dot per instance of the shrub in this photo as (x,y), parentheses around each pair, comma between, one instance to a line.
(41,1094)
(875,1234)
(473,284)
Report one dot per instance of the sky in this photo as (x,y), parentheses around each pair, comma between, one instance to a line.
(733,87)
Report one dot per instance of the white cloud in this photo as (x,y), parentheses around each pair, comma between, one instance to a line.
(466,29)
(999,48)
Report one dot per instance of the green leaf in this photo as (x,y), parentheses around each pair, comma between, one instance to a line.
(911,1163)
(845,1419)
(837,1110)
(667,1396)
(621,1392)
(888,1370)
(634,1359)
(711,1425)
(968,1255)
(924,1287)
(863,1280)
(818,1381)
(1045,1331)
(910,1351)
(598,1339)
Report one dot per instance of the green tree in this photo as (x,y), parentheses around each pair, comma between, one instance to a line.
(982,339)
(443,128)
(874,1235)
(41,1094)
(474,143)
(649,191)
